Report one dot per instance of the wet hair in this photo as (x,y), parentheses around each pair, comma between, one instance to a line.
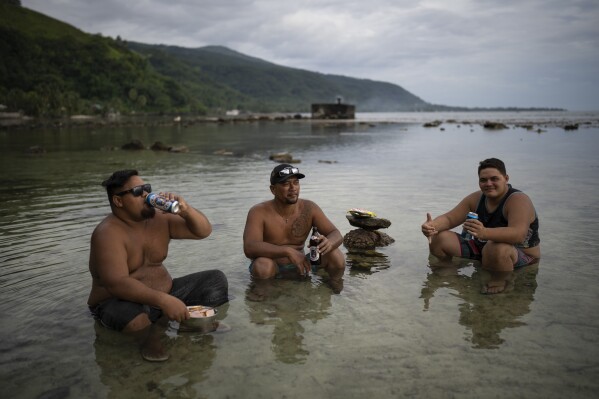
(116,181)
(492,163)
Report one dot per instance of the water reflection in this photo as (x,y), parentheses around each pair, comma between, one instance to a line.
(366,261)
(285,304)
(125,374)
(485,316)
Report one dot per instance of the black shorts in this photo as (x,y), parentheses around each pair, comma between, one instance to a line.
(208,288)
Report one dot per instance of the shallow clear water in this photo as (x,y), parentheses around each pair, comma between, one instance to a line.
(397,330)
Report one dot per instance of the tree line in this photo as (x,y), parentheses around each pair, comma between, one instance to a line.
(55,77)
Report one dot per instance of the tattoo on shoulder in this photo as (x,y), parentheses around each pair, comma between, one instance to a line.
(301,225)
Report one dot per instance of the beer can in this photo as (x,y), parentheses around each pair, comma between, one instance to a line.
(472,215)
(465,234)
(160,202)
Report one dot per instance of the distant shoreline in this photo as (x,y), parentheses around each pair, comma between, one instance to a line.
(521,117)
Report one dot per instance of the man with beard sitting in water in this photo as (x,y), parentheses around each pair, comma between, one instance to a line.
(131,288)
(276,231)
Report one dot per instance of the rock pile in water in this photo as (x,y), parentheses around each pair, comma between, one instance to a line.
(367,236)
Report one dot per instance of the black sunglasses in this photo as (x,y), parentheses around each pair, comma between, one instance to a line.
(137,190)
(288,171)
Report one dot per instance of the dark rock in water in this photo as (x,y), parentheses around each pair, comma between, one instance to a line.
(179,148)
(228,153)
(133,145)
(573,126)
(494,125)
(527,126)
(433,124)
(159,146)
(283,157)
(367,236)
(366,239)
(368,223)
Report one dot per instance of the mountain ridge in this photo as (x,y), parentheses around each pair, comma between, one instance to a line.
(51,68)
(290,87)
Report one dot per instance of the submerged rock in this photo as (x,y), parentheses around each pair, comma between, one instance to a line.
(283,157)
(494,125)
(159,146)
(178,148)
(573,126)
(133,145)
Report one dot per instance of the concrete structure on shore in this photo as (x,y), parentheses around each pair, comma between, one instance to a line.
(334,111)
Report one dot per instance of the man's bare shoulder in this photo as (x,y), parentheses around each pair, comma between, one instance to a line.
(470,201)
(474,196)
(308,204)
(107,223)
(108,227)
(262,207)
(109,239)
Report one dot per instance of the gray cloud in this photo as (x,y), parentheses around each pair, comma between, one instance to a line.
(463,52)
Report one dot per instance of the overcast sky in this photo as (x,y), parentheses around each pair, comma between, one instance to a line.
(485,53)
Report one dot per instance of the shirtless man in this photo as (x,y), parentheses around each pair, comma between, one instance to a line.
(276,231)
(131,288)
(505,236)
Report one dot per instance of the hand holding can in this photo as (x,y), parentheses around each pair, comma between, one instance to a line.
(163,203)
(465,233)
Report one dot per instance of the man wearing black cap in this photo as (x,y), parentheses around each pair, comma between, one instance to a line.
(276,231)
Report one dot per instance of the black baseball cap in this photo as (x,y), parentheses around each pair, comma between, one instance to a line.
(283,172)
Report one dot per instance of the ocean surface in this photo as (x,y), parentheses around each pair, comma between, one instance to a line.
(397,329)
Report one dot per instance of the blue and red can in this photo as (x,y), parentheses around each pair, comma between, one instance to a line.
(163,203)
(465,234)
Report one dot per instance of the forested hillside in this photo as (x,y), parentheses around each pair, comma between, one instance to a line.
(278,87)
(49,68)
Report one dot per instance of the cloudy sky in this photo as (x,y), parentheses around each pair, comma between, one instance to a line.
(475,53)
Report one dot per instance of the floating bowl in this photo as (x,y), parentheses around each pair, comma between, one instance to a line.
(202,318)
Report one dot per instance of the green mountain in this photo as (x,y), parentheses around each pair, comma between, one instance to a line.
(274,86)
(50,68)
